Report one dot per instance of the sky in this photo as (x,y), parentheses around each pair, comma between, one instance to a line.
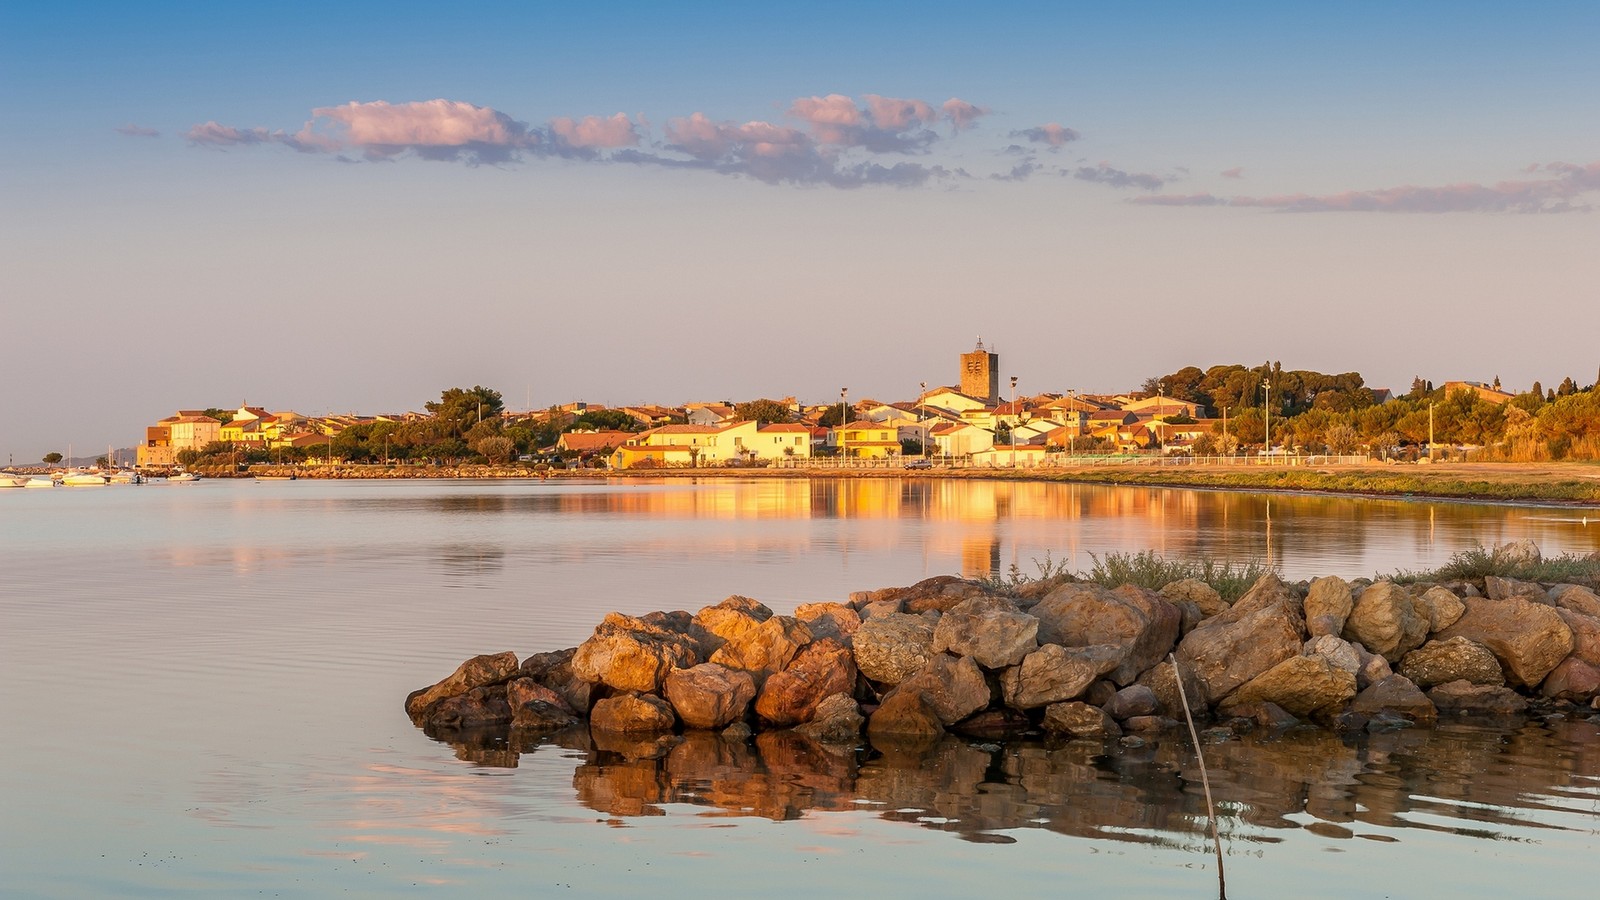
(350,207)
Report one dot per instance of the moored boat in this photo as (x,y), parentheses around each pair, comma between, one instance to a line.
(12,479)
(40,481)
(85,479)
(182,478)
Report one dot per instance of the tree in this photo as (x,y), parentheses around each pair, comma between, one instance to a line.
(52,458)
(102,462)
(832,417)
(496,449)
(459,409)
(1386,444)
(764,412)
(604,420)
(1155,384)
(1342,439)
(221,415)
(187,456)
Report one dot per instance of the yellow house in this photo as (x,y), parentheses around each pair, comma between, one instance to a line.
(782,440)
(868,440)
(691,445)
(252,425)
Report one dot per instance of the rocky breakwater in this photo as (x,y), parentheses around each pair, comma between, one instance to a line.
(1060,657)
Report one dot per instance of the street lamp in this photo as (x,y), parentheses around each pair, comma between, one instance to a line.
(842,394)
(922,417)
(1266,413)
(1015,418)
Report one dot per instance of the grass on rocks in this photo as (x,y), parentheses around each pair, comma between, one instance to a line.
(1146,569)
(1481,562)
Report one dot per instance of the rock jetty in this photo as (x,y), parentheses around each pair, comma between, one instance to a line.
(1060,656)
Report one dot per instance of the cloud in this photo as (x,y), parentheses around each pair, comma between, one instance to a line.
(894,114)
(1022,171)
(1104,173)
(884,125)
(593,132)
(961,113)
(1235,172)
(1052,134)
(132,130)
(446,130)
(1559,193)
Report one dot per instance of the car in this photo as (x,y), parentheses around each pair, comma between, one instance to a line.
(920,463)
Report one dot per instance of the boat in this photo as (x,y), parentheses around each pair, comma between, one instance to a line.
(40,481)
(182,478)
(127,477)
(12,479)
(85,479)
(289,477)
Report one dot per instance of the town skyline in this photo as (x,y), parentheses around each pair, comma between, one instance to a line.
(310,207)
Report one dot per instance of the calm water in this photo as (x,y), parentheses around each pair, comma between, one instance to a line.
(203,688)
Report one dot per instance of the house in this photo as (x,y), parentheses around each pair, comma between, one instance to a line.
(1004,456)
(960,439)
(1179,437)
(951,399)
(691,445)
(1485,392)
(652,416)
(591,443)
(868,440)
(782,440)
(709,413)
(1159,407)
(190,429)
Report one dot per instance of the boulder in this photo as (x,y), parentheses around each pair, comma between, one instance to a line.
(821,669)
(936,594)
(1202,595)
(631,654)
(1303,685)
(1374,668)
(955,686)
(1340,652)
(710,695)
(554,671)
(904,714)
(893,647)
(829,620)
(1100,693)
(1516,554)
(1261,630)
(632,713)
(1455,659)
(1328,605)
(1140,622)
(1576,598)
(480,707)
(730,619)
(1133,700)
(765,649)
(1511,589)
(1267,715)
(994,724)
(1585,634)
(1443,606)
(1054,673)
(1079,720)
(990,632)
(1387,621)
(1151,723)
(1528,639)
(1395,695)
(1162,683)
(535,706)
(476,672)
(1573,679)
(1466,698)
(836,720)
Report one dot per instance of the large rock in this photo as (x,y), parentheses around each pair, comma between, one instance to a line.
(710,695)
(730,619)
(1387,621)
(1395,695)
(1142,623)
(893,647)
(1529,639)
(1054,673)
(1576,598)
(1328,605)
(1302,685)
(837,720)
(490,668)
(904,714)
(1162,682)
(480,707)
(1133,700)
(554,671)
(1574,679)
(1202,595)
(766,649)
(1585,634)
(829,620)
(936,594)
(1454,659)
(954,685)
(1443,606)
(1511,589)
(990,632)
(632,713)
(1079,720)
(1341,653)
(632,654)
(1465,698)
(534,706)
(1516,553)
(821,669)
(1262,629)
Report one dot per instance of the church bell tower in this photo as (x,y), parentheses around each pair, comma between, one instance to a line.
(980,374)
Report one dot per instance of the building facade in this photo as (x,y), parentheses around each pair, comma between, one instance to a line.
(980,374)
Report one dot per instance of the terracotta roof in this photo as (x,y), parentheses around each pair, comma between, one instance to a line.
(783,426)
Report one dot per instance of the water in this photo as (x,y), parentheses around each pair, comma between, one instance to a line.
(203,688)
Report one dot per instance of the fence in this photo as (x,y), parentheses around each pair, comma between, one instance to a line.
(1066,460)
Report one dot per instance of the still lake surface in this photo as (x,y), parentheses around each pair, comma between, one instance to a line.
(203,688)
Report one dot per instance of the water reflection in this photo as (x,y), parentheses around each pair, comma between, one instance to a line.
(1475,781)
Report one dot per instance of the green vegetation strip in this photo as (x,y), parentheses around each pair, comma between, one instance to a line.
(1569,490)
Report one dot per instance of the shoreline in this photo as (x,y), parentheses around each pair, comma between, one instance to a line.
(1554,484)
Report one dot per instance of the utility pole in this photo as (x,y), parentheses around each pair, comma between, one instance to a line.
(1266,412)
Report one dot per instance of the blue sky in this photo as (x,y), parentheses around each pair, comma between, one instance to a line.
(351,209)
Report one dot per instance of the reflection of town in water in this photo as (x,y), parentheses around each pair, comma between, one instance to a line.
(1482,781)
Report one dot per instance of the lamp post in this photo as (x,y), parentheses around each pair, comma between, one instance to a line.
(843,392)
(386,449)
(1430,431)
(1014,417)
(1266,413)
(922,417)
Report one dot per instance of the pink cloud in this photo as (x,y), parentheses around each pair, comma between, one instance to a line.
(834,109)
(432,127)
(1235,172)
(1052,133)
(961,113)
(595,132)
(896,114)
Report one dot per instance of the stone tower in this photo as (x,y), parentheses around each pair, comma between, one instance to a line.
(980,374)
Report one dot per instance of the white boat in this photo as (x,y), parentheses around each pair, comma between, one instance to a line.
(12,479)
(85,479)
(126,477)
(40,481)
(182,478)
